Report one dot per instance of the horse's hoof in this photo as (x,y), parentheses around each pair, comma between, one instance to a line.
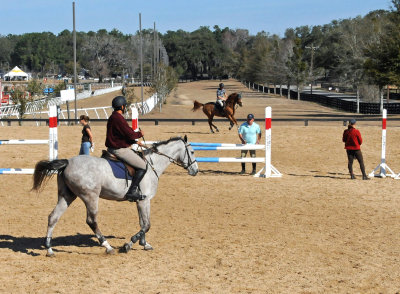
(147,247)
(126,248)
(217,130)
(110,252)
(50,253)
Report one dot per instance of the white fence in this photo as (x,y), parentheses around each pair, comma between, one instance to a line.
(34,108)
(104,112)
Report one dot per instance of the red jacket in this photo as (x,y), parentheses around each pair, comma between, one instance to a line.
(352,139)
(119,133)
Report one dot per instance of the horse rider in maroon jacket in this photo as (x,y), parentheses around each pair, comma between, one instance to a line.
(120,137)
(352,143)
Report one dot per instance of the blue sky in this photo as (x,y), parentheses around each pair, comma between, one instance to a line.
(272,16)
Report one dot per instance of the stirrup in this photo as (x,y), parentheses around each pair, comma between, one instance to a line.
(134,195)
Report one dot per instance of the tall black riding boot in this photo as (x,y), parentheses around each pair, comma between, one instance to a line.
(254,169)
(134,193)
(243,168)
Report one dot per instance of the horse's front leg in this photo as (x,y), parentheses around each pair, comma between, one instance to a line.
(232,121)
(144,221)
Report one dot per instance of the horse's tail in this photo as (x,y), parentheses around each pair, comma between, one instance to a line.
(45,169)
(197,105)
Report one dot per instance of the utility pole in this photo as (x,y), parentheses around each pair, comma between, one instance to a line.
(312,62)
(74,41)
(141,59)
(155,52)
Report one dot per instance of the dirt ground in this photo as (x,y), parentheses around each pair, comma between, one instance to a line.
(312,231)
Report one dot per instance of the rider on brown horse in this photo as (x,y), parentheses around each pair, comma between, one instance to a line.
(221,97)
(210,109)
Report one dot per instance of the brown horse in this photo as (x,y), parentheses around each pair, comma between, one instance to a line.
(211,110)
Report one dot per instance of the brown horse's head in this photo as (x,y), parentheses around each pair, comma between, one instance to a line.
(235,98)
(240,99)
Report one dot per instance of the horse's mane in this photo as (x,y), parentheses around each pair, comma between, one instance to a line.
(155,145)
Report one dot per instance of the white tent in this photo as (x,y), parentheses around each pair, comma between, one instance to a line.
(16,74)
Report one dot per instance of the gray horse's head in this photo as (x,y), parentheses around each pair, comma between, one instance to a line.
(191,162)
(179,151)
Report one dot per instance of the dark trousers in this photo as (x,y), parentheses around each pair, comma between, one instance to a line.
(351,154)
(243,153)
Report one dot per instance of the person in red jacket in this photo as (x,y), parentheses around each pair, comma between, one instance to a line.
(352,143)
(120,137)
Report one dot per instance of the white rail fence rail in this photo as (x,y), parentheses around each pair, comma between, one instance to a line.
(35,108)
(105,111)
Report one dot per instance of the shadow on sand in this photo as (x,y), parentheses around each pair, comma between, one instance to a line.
(28,244)
(218,172)
(340,176)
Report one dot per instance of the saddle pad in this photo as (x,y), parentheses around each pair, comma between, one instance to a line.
(119,169)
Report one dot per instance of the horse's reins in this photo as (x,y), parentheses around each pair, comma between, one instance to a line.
(145,159)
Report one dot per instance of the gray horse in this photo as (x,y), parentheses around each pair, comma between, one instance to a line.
(89,178)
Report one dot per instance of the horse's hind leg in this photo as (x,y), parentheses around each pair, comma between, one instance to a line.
(91,202)
(65,198)
(210,124)
(215,127)
(144,221)
(210,119)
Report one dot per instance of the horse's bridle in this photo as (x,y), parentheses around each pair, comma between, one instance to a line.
(174,161)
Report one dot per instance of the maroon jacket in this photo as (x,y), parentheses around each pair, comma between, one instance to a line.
(119,133)
(352,139)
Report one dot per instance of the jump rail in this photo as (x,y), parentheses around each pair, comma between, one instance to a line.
(52,142)
(266,172)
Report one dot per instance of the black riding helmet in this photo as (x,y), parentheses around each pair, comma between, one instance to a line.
(118,101)
(221,85)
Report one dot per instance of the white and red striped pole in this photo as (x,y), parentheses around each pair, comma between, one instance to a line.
(383,155)
(53,141)
(268,124)
(135,119)
(383,166)
(268,170)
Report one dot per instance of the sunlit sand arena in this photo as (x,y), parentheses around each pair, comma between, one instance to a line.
(311,231)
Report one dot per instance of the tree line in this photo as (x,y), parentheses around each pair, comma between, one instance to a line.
(99,54)
(349,52)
